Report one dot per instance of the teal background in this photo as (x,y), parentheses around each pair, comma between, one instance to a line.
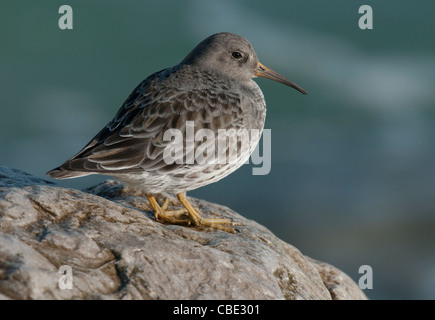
(353,173)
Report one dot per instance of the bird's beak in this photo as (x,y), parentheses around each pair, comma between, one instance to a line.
(265,72)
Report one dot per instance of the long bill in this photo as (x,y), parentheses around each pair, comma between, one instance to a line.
(265,72)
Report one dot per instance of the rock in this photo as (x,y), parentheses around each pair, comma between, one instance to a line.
(115,249)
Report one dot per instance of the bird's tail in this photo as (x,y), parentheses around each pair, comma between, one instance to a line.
(59,173)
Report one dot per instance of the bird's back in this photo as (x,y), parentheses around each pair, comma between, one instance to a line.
(176,98)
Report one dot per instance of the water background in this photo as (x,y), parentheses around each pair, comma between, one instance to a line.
(353,171)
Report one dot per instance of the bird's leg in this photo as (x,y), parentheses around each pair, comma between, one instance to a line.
(160,212)
(179,216)
(199,221)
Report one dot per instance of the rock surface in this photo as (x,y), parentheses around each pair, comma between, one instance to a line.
(107,235)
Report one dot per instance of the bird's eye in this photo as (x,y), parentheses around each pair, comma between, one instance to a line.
(236,55)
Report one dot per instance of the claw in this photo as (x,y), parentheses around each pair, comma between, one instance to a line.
(193,217)
(161,214)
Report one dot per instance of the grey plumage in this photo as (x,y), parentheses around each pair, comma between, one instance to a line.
(212,87)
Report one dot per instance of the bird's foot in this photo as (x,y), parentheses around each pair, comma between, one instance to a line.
(199,221)
(161,213)
(188,215)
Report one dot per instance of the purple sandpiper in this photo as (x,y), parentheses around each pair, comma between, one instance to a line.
(212,88)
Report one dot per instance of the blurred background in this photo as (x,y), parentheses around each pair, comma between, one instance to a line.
(352,180)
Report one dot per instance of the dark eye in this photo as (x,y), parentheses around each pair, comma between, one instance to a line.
(236,55)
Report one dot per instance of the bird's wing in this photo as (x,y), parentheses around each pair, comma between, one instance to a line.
(135,139)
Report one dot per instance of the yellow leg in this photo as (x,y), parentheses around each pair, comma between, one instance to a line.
(187,215)
(160,212)
(199,221)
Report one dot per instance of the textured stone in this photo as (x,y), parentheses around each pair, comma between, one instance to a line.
(108,236)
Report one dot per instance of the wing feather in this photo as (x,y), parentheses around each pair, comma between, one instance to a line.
(134,140)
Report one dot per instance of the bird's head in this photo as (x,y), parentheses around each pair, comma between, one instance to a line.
(233,56)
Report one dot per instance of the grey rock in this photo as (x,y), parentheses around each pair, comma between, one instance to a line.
(107,235)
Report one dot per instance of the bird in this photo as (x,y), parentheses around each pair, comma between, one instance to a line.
(211,89)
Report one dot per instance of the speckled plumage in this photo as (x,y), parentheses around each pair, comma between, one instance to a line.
(212,87)
(131,145)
